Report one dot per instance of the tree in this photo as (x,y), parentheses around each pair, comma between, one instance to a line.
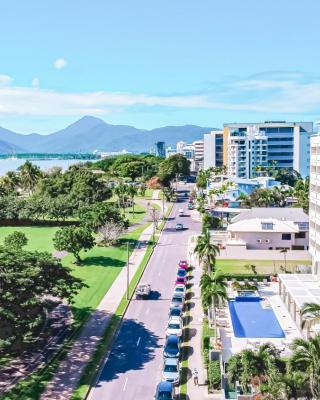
(301,193)
(202,178)
(310,314)
(27,278)
(121,191)
(132,191)
(306,357)
(172,167)
(15,240)
(10,182)
(109,233)
(131,169)
(73,239)
(206,251)
(29,175)
(284,251)
(94,216)
(142,189)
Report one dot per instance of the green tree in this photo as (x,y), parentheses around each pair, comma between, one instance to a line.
(306,357)
(29,175)
(284,251)
(206,251)
(202,178)
(301,193)
(97,215)
(132,169)
(73,239)
(15,240)
(132,192)
(26,279)
(172,167)
(142,189)
(310,314)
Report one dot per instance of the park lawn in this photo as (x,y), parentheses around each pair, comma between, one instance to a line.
(263,266)
(40,237)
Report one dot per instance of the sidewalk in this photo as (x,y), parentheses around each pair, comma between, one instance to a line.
(195,341)
(70,369)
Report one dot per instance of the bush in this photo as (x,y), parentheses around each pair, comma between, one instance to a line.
(214,374)
(240,277)
(207,333)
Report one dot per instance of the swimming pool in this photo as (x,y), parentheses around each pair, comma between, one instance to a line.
(250,320)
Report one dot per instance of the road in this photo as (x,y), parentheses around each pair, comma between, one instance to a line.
(134,365)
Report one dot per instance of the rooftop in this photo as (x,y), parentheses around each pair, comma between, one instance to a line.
(278,213)
(263,225)
(304,288)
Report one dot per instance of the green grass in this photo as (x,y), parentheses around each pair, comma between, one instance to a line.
(40,238)
(207,333)
(263,266)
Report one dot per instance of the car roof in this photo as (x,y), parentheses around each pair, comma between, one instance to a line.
(173,339)
(165,386)
(175,318)
(171,361)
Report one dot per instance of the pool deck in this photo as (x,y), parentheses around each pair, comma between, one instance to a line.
(232,344)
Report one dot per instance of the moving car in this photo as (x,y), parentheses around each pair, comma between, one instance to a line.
(181,281)
(179,227)
(172,347)
(175,312)
(181,212)
(171,370)
(177,300)
(164,391)
(174,326)
(143,291)
(179,289)
(183,264)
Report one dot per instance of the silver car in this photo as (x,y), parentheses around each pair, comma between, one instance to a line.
(171,370)
(177,300)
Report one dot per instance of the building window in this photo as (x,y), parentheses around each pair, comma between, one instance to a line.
(286,236)
(300,235)
(267,226)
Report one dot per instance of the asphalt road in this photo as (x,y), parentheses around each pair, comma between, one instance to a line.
(134,365)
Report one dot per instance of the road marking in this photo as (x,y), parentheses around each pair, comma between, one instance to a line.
(125,384)
(147,311)
(138,341)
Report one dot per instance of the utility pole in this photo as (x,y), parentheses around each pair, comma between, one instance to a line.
(128,277)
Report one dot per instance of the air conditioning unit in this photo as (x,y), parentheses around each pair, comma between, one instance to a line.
(268,240)
(259,240)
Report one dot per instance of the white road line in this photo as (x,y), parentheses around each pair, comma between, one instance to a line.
(147,311)
(138,341)
(125,384)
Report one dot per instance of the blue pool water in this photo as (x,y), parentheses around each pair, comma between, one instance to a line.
(250,320)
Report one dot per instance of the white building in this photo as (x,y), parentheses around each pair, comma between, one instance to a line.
(213,149)
(193,152)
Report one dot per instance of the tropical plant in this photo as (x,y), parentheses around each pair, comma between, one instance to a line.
(132,192)
(29,175)
(306,357)
(310,314)
(284,251)
(206,251)
(15,240)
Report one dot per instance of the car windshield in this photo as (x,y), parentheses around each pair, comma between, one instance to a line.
(174,326)
(172,346)
(176,312)
(179,289)
(164,396)
(170,368)
(177,299)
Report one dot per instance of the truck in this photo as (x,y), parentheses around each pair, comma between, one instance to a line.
(143,291)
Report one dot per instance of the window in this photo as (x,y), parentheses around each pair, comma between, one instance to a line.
(286,236)
(267,226)
(300,235)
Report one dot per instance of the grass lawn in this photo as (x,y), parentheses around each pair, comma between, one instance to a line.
(263,266)
(40,238)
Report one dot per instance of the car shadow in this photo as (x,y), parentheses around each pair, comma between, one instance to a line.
(154,295)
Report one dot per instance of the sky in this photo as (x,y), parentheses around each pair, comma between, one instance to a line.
(155,63)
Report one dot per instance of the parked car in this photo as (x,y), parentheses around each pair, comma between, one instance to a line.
(181,281)
(183,264)
(190,206)
(175,312)
(177,301)
(182,273)
(174,326)
(179,289)
(179,227)
(172,347)
(171,370)
(164,391)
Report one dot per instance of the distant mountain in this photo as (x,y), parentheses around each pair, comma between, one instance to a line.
(90,133)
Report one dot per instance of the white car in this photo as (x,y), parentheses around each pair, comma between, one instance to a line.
(174,326)
(181,211)
(181,289)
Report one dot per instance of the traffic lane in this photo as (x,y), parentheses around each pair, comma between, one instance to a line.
(126,367)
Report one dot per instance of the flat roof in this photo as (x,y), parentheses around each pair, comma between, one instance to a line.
(303,288)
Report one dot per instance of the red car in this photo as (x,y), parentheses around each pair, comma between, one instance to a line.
(181,281)
(183,264)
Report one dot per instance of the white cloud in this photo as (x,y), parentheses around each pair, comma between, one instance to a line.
(60,63)
(35,82)
(5,80)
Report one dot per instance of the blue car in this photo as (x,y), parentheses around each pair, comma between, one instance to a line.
(181,273)
(164,391)
(172,347)
(175,312)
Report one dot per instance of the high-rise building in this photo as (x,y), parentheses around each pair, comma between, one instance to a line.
(198,154)
(280,143)
(160,149)
(213,149)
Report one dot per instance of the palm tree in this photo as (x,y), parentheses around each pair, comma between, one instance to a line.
(284,251)
(306,357)
(29,175)
(121,191)
(10,181)
(213,291)
(310,314)
(132,191)
(206,251)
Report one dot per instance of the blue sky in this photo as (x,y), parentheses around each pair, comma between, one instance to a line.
(151,63)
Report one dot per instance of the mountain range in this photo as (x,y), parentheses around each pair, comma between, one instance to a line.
(91,133)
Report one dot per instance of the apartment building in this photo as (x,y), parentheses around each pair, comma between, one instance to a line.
(193,152)
(213,149)
(250,145)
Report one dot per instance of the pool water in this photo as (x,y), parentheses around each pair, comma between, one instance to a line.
(250,320)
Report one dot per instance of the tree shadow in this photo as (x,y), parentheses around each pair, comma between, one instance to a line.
(187,319)
(186,374)
(134,347)
(186,353)
(102,262)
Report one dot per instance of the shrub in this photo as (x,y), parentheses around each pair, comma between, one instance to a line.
(258,277)
(214,374)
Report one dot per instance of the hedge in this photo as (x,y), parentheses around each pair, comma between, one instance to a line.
(250,277)
(214,374)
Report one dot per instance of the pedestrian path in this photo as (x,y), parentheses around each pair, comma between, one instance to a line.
(71,368)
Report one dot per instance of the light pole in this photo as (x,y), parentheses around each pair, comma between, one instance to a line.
(128,277)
